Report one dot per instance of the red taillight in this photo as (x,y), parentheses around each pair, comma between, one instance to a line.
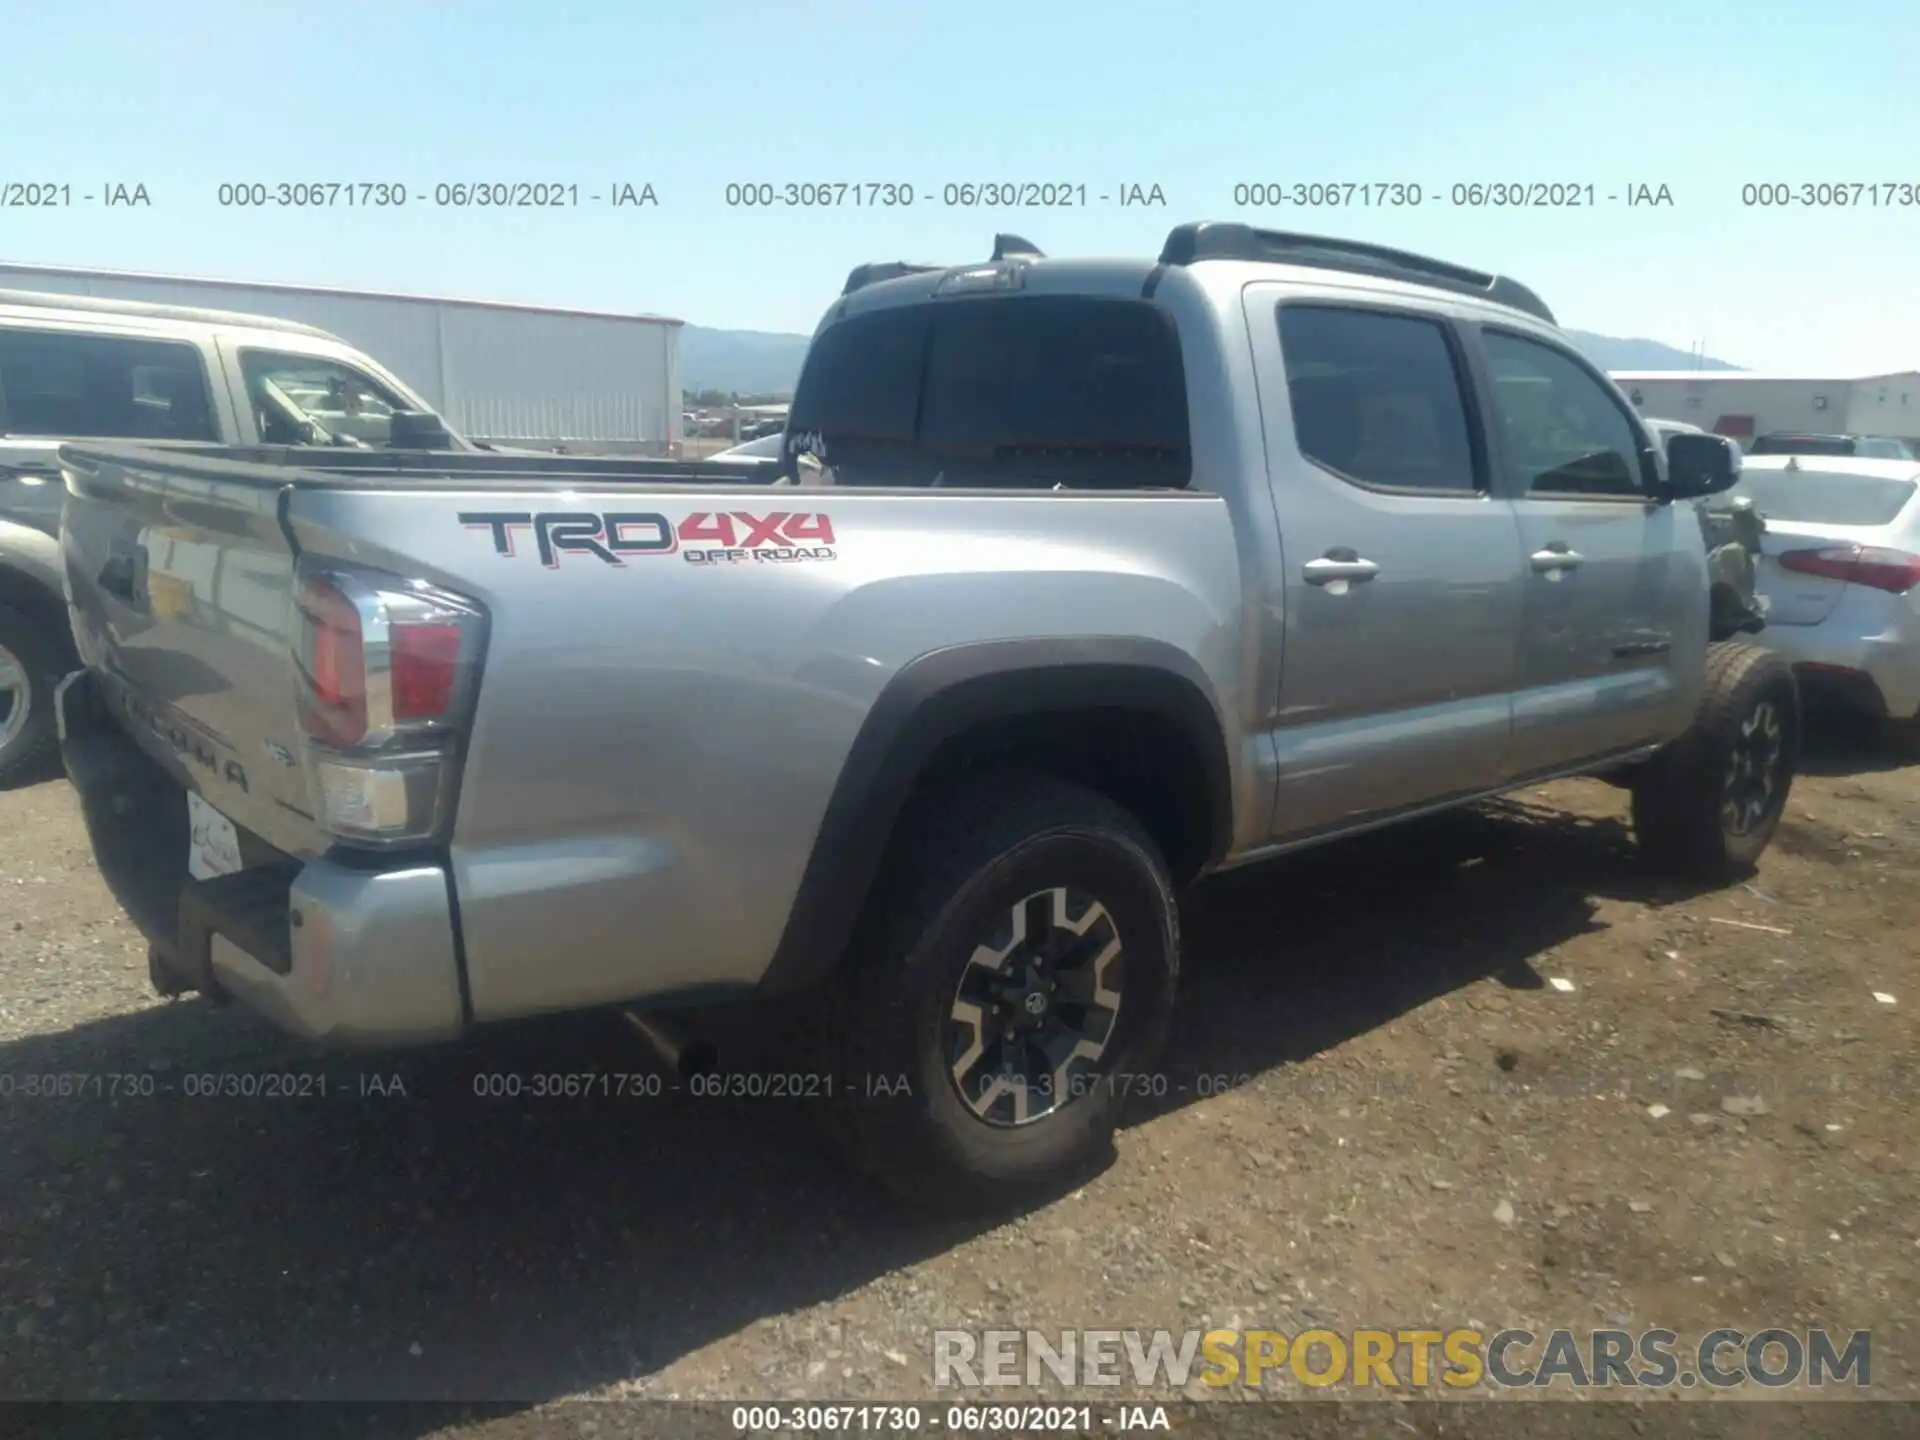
(1890,570)
(380,661)
(336,665)
(426,663)
(387,668)
(1878,568)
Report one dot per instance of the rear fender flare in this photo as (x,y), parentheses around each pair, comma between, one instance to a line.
(939,698)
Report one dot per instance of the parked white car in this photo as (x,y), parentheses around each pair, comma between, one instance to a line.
(766,451)
(1840,570)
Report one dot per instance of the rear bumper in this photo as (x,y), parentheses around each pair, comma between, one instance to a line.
(329,951)
(1877,673)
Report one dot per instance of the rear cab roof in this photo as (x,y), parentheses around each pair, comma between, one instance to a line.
(36,309)
(1215,250)
(95,311)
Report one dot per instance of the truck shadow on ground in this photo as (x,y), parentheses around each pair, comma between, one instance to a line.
(405,1235)
(1840,742)
(45,768)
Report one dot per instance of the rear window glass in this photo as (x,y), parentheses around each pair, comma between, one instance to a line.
(858,401)
(64,385)
(1055,390)
(1817,497)
(1030,392)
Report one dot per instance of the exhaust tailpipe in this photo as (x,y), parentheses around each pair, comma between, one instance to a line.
(682,1055)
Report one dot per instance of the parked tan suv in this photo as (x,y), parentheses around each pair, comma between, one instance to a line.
(79,367)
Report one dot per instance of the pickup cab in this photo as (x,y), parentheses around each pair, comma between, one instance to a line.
(1128,571)
(81,366)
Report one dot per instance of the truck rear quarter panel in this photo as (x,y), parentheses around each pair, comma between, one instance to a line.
(657,740)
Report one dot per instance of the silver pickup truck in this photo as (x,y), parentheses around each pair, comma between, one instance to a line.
(1127,572)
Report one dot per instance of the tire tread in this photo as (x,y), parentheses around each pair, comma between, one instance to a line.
(31,752)
(1676,797)
(944,840)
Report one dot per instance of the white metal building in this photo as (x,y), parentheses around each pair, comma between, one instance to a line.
(498,371)
(1742,405)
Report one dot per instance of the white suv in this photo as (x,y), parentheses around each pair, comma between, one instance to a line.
(80,367)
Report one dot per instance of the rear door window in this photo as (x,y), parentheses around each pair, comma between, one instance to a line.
(64,385)
(1377,398)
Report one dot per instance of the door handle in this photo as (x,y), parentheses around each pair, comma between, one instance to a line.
(1555,558)
(1339,566)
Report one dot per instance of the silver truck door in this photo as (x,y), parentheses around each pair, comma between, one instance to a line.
(1400,582)
(1610,572)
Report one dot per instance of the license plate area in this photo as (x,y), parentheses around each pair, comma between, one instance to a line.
(213,841)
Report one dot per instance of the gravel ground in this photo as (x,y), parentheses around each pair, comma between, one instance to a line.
(1479,1072)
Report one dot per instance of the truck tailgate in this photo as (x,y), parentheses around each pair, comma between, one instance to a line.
(181,588)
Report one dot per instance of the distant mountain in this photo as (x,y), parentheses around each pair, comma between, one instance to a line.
(1611,354)
(763,362)
(753,362)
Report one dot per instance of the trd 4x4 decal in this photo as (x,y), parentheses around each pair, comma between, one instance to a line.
(615,536)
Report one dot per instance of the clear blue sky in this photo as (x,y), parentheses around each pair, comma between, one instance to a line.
(1194,97)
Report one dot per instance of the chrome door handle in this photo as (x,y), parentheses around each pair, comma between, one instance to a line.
(1328,569)
(1548,560)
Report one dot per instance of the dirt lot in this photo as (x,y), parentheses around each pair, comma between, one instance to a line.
(1418,1123)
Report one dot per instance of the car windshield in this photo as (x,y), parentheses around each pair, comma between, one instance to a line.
(767,446)
(1824,497)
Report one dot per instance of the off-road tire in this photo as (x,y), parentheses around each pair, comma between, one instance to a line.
(961,862)
(1684,808)
(27,753)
